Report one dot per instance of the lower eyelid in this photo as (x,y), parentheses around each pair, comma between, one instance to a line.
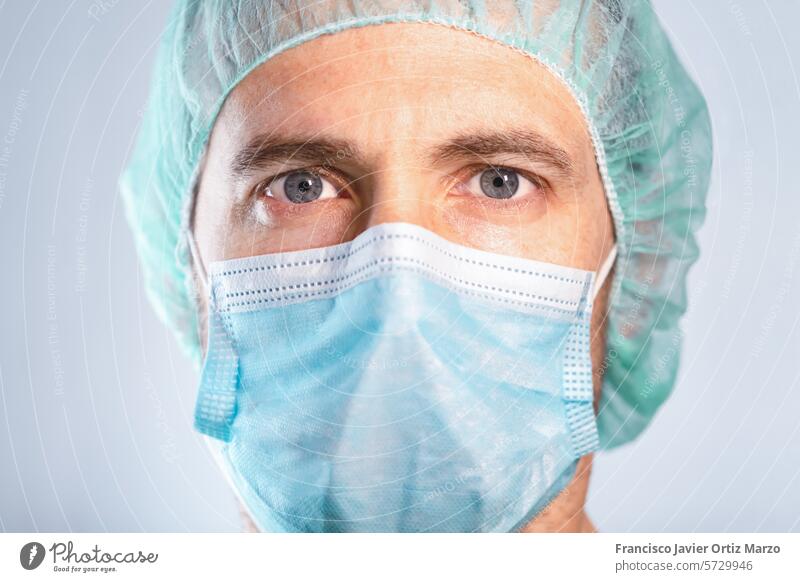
(271,211)
(489,209)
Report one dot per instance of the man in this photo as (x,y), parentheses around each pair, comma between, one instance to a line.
(399,221)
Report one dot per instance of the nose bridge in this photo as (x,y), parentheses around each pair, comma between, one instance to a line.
(396,194)
(400,189)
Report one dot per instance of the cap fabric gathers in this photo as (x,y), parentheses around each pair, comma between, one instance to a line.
(648,122)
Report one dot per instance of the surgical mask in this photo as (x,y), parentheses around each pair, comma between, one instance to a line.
(398,382)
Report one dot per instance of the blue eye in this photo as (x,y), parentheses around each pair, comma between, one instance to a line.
(300,187)
(499,183)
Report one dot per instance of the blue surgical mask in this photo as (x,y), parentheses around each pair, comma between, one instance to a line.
(398,382)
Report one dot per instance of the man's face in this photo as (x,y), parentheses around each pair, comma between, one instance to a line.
(404,123)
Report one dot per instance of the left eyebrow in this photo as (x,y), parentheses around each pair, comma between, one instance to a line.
(482,144)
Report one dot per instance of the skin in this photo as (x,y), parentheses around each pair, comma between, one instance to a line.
(389,96)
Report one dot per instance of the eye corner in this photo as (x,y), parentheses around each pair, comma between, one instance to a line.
(261,188)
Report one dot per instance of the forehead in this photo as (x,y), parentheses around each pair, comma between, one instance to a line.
(418,78)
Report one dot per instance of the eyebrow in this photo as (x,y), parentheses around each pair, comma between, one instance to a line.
(482,144)
(267,150)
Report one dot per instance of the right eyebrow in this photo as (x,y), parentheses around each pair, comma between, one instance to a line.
(267,150)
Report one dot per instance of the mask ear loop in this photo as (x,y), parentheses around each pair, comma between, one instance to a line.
(188,222)
(603,272)
(197,260)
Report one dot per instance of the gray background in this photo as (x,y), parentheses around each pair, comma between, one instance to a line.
(96,400)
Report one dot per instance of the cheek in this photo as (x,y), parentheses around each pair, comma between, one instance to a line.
(273,226)
(503,227)
(542,228)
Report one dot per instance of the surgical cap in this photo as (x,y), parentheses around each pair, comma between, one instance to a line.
(647,120)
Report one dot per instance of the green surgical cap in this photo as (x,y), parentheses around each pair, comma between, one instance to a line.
(648,122)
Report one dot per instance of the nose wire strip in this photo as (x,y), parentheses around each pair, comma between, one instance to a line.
(602,273)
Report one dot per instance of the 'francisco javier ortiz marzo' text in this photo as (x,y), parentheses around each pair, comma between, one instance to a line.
(679,549)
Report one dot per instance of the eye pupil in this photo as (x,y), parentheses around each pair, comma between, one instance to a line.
(302,187)
(499,183)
